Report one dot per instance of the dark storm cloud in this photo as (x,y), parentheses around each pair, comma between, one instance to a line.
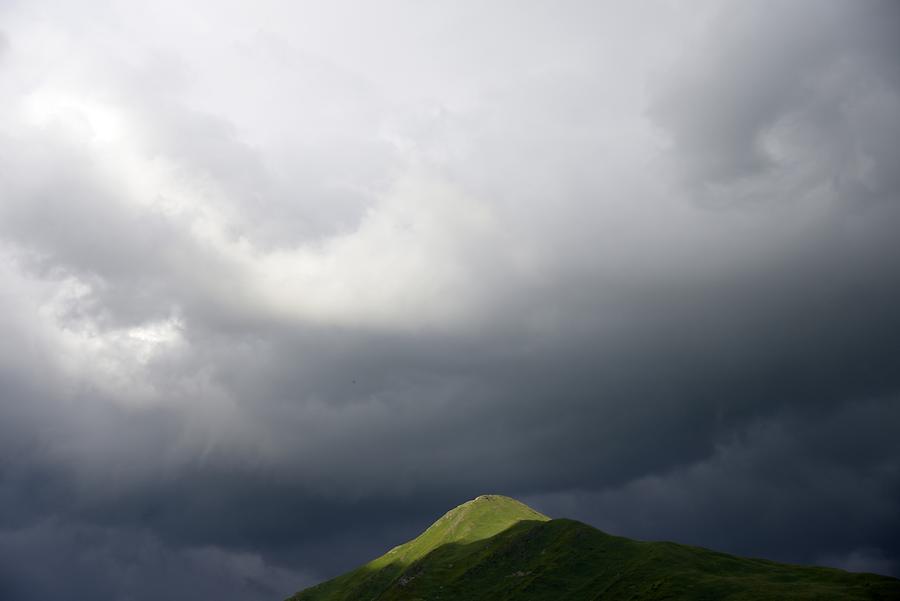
(254,334)
(780,484)
(89,562)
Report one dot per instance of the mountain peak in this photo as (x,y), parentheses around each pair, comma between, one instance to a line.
(480,518)
(502,503)
(495,499)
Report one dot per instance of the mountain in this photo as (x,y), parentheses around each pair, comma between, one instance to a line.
(496,548)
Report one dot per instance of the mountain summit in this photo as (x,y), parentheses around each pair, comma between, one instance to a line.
(496,548)
(480,518)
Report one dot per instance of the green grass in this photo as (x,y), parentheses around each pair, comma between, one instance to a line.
(495,548)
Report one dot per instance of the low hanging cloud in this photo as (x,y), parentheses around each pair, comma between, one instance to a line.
(282,285)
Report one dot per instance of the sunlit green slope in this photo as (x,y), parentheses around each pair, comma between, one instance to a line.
(495,548)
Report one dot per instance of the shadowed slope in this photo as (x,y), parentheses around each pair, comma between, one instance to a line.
(495,548)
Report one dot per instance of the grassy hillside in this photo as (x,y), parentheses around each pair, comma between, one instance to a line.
(495,548)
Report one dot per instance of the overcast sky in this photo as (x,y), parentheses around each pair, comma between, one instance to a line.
(284,281)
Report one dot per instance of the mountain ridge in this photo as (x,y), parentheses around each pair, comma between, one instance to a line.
(495,547)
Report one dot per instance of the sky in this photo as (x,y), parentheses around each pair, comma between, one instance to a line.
(285,281)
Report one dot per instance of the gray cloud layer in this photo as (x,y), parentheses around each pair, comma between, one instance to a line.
(282,285)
